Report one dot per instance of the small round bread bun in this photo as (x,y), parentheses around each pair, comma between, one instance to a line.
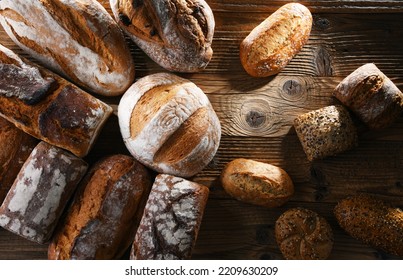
(302,234)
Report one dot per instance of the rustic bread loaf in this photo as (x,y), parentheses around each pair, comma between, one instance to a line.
(170,224)
(15,148)
(176,34)
(41,191)
(326,132)
(372,96)
(302,234)
(372,221)
(103,218)
(257,182)
(48,107)
(78,39)
(273,43)
(169,125)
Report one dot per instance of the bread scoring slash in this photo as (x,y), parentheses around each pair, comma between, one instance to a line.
(77,39)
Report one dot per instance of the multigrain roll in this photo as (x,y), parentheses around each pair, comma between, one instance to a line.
(372,96)
(326,132)
(105,213)
(257,182)
(372,221)
(302,234)
(176,34)
(78,39)
(169,125)
(272,44)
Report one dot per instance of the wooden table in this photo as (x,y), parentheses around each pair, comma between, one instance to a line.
(257,114)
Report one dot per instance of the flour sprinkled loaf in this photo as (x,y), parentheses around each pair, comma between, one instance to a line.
(326,132)
(48,107)
(171,220)
(176,34)
(40,192)
(101,222)
(169,125)
(78,39)
(15,148)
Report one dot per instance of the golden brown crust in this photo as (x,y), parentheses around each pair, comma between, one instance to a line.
(302,234)
(257,182)
(272,44)
(102,220)
(372,221)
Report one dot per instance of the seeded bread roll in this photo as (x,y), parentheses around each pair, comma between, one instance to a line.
(169,125)
(372,221)
(40,192)
(326,132)
(272,44)
(372,96)
(176,34)
(77,39)
(48,107)
(257,182)
(15,148)
(105,213)
(170,224)
(302,234)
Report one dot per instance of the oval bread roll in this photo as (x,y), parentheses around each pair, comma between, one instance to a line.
(272,44)
(302,234)
(257,182)
(169,125)
(78,39)
(372,221)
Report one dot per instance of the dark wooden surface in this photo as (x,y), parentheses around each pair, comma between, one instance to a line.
(256,116)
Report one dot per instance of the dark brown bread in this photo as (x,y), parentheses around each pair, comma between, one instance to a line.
(15,148)
(105,213)
(48,107)
(302,234)
(272,44)
(372,96)
(176,34)
(77,39)
(257,182)
(171,220)
(372,221)
(41,191)
(326,132)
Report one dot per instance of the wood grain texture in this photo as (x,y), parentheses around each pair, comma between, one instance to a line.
(256,116)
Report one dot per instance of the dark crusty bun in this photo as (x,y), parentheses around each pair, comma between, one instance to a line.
(326,132)
(48,107)
(176,34)
(372,96)
(78,39)
(15,148)
(170,224)
(40,192)
(302,234)
(273,43)
(101,222)
(257,182)
(372,221)
(169,125)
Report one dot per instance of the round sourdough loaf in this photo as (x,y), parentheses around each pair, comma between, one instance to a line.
(176,34)
(169,125)
(78,39)
(272,44)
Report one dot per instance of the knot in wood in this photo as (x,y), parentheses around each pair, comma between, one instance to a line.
(292,88)
(322,23)
(255,118)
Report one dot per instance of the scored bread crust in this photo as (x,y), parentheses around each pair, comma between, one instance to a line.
(179,135)
(77,39)
(176,34)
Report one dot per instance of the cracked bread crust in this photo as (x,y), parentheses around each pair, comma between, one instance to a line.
(176,34)
(170,224)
